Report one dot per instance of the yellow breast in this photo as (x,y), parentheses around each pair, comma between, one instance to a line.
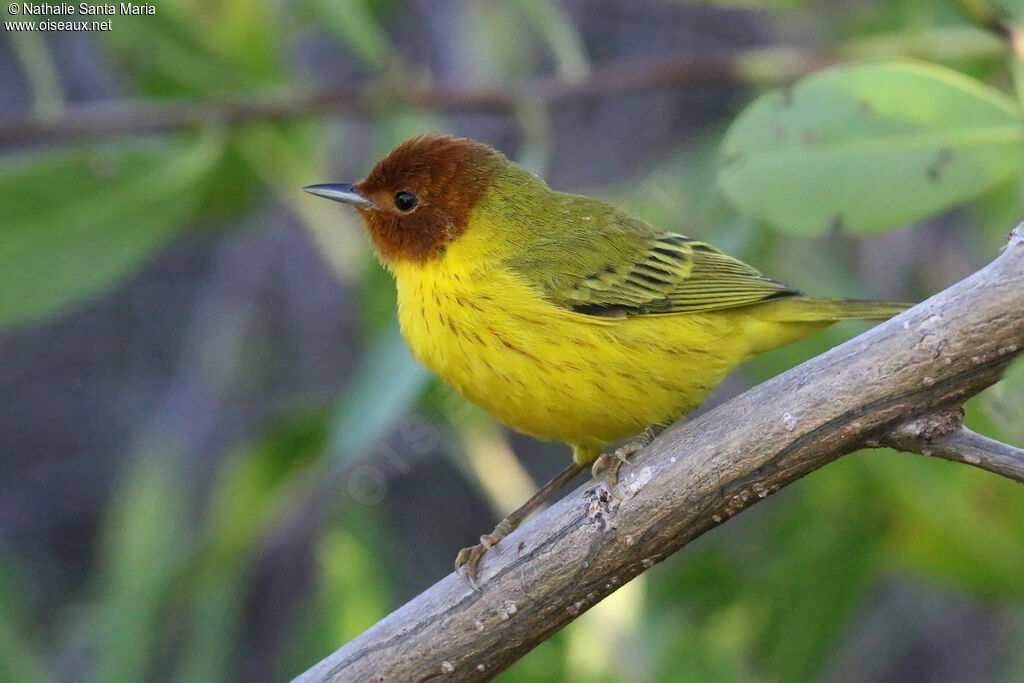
(551,372)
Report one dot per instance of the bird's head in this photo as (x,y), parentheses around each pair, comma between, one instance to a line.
(418,198)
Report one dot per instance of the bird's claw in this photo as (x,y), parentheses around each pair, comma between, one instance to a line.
(613,462)
(609,464)
(468,560)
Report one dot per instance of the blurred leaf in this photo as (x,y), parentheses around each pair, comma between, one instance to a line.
(354,583)
(254,491)
(1013,665)
(243,33)
(954,523)
(973,49)
(560,35)
(387,382)
(196,47)
(998,212)
(255,486)
(231,188)
(829,556)
(377,297)
(357,27)
(756,4)
(285,158)
(355,590)
(682,195)
(498,44)
(870,147)
(141,548)
(76,222)
(215,624)
(395,127)
(19,660)
(544,663)
(36,60)
(534,121)
(601,636)
(1004,404)
(742,596)
(165,57)
(1015,8)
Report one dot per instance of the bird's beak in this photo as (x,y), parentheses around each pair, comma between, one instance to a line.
(345,193)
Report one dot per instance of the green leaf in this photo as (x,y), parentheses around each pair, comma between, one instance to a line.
(388,381)
(827,561)
(970,540)
(143,544)
(202,48)
(259,488)
(361,31)
(1015,8)
(20,654)
(1004,404)
(870,147)
(78,221)
(18,661)
(216,619)
(560,35)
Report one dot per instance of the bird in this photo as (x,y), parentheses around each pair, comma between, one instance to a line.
(560,315)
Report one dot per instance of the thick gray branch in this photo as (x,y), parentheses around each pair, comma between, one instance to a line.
(698,474)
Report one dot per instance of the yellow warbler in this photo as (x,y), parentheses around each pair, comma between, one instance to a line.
(558,314)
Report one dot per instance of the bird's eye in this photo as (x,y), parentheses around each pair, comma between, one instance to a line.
(405,201)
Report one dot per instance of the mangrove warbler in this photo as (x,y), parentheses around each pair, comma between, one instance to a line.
(558,314)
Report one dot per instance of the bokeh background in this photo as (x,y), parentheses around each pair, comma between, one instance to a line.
(218,461)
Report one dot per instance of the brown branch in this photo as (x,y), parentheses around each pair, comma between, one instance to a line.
(927,361)
(942,435)
(996,19)
(107,119)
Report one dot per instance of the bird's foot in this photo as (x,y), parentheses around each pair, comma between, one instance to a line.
(612,462)
(468,559)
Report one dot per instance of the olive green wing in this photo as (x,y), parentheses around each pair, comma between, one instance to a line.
(626,268)
(674,274)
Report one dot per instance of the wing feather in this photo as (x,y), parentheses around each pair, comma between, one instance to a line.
(672,274)
(596,260)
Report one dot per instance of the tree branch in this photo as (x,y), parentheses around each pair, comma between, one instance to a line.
(107,119)
(942,435)
(996,19)
(925,362)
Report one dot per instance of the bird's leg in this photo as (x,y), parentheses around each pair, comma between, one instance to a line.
(620,456)
(468,559)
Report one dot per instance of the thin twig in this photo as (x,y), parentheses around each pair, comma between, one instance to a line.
(107,119)
(942,435)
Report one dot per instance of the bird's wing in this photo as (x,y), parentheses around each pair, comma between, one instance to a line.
(626,268)
(674,274)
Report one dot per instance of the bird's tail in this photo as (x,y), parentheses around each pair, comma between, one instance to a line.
(811,309)
(786,319)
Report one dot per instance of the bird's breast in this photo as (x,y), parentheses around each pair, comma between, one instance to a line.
(548,371)
(482,333)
